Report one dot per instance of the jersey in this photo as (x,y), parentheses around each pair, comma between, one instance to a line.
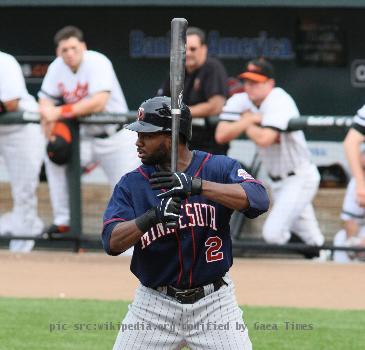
(200,250)
(208,80)
(12,87)
(95,74)
(290,151)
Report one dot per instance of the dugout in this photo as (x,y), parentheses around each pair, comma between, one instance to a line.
(316,45)
(313,44)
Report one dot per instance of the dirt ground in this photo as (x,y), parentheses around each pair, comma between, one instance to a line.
(258,282)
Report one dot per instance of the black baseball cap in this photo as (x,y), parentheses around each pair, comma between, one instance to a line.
(258,70)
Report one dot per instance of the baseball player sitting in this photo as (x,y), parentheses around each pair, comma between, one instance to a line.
(22,147)
(263,112)
(86,83)
(178,223)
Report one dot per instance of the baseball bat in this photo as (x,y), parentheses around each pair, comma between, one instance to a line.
(177,76)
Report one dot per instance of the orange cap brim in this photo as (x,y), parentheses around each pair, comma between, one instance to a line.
(254,77)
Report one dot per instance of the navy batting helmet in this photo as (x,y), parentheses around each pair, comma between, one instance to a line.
(154,115)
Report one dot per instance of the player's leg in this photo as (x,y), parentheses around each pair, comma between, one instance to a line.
(117,154)
(306,226)
(215,322)
(59,190)
(23,154)
(340,240)
(152,322)
(291,201)
(276,228)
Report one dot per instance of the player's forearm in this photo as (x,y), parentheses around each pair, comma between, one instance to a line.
(124,235)
(212,107)
(228,131)
(45,102)
(261,136)
(230,195)
(11,105)
(86,106)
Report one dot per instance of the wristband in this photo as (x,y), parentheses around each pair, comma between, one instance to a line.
(67,111)
(196,185)
(146,220)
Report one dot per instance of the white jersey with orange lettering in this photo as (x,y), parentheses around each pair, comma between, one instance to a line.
(113,149)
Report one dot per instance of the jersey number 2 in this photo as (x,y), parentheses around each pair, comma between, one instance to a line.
(212,253)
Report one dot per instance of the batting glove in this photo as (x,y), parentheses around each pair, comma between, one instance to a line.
(166,212)
(177,184)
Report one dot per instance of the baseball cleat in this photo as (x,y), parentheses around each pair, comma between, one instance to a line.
(56,231)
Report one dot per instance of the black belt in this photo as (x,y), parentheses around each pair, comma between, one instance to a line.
(279,178)
(105,135)
(190,296)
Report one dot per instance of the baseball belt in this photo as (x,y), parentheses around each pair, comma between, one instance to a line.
(279,178)
(105,135)
(190,296)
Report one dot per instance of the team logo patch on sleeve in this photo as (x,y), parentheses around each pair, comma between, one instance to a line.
(244,174)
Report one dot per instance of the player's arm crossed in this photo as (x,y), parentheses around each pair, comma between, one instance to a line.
(213,106)
(229,130)
(95,104)
(262,136)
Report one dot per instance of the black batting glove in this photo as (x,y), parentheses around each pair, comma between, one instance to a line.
(177,184)
(166,212)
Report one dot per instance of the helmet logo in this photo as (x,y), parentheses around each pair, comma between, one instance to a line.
(140,113)
(179,99)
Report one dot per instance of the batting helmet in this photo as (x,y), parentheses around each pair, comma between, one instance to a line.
(154,115)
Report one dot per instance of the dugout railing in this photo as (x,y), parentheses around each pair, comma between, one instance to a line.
(329,128)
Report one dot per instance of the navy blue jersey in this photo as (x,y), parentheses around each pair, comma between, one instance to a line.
(200,250)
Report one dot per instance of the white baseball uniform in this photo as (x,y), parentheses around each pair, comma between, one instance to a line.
(294,179)
(350,211)
(22,147)
(116,153)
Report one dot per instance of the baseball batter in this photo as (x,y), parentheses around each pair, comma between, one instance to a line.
(22,147)
(86,83)
(263,113)
(179,226)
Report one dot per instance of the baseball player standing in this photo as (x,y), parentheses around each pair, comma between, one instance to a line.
(263,113)
(179,226)
(22,147)
(86,83)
